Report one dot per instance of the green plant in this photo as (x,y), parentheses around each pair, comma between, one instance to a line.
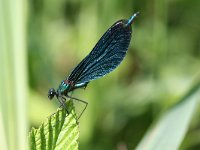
(59,131)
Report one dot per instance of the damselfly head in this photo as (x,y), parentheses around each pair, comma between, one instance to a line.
(51,93)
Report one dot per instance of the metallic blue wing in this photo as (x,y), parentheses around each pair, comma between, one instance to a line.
(110,59)
(106,55)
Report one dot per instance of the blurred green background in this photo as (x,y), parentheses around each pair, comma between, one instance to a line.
(43,40)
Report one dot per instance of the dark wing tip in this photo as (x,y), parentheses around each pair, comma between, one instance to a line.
(132,18)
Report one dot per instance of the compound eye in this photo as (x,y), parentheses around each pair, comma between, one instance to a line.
(51,93)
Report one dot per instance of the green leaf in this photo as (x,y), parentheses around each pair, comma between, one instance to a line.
(169,131)
(59,131)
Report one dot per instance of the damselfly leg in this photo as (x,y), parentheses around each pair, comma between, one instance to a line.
(86,103)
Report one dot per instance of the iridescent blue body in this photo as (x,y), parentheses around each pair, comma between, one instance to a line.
(66,87)
(107,54)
